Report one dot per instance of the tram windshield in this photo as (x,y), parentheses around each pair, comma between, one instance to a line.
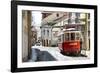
(68,36)
(72,36)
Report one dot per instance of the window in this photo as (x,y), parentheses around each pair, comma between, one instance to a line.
(48,32)
(66,36)
(70,18)
(69,21)
(70,15)
(72,36)
(44,31)
(57,15)
(77,18)
(77,15)
(77,36)
(88,25)
(88,15)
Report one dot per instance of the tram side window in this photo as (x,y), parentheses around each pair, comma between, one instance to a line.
(72,36)
(67,36)
(77,36)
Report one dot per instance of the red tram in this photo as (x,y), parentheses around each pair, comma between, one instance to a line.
(70,41)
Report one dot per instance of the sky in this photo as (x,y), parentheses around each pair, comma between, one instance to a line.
(37,18)
(36,21)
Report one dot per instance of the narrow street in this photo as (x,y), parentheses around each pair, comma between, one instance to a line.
(40,53)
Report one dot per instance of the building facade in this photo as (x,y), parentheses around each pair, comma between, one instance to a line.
(46,35)
(79,21)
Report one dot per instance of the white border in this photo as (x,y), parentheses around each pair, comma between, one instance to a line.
(53,63)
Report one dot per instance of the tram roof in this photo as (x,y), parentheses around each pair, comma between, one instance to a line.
(69,31)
